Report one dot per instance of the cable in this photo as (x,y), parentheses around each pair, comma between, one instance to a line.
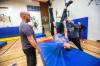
(8,48)
(90,2)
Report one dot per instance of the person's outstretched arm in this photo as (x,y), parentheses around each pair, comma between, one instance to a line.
(66,44)
(65,29)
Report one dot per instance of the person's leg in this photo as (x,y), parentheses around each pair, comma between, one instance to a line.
(33,57)
(30,56)
(27,55)
(76,41)
(80,36)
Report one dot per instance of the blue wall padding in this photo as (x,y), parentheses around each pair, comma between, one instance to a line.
(9,32)
(54,55)
(2,44)
(38,35)
(14,31)
(84,21)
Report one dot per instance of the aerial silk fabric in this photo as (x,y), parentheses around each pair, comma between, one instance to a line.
(64,15)
(51,20)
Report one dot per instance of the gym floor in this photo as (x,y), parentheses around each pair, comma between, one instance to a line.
(12,54)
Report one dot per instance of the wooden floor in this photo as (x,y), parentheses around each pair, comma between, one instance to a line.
(12,54)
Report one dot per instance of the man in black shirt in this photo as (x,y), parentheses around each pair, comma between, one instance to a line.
(28,41)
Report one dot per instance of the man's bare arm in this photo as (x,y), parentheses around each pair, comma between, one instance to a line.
(33,42)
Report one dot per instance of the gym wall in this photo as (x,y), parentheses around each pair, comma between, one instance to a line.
(14,9)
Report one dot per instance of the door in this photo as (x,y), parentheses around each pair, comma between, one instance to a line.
(45,15)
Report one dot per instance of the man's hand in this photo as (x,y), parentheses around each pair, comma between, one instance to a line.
(33,43)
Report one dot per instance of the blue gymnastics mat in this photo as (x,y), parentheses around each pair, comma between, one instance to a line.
(2,44)
(54,55)
(39,35)
(7,32)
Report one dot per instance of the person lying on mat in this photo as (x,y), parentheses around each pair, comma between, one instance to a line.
(62,38)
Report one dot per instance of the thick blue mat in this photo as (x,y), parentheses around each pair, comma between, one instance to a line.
(39,35)
(54,55)
(2,44)
(7,32)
